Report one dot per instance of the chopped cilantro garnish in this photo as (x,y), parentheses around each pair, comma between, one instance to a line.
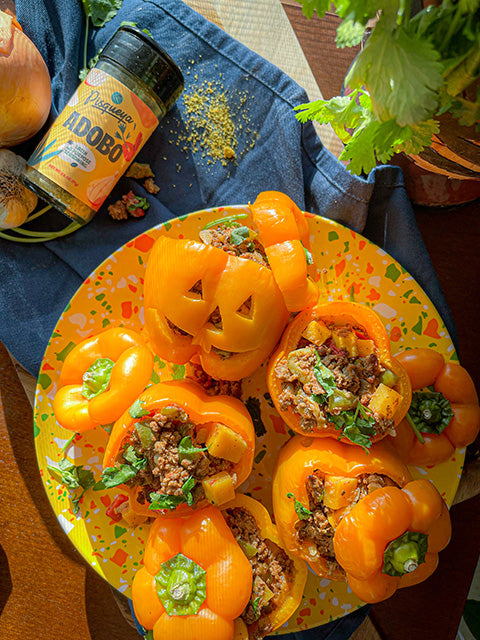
(302,512)
(326,378)
(136,410)
(239,235)
(356,425)
(186,449)
(73,477)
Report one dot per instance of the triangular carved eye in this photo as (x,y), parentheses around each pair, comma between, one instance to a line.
(216,319)
(246,308)
(196,292)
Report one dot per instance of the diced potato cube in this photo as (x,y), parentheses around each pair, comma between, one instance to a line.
(223,442)
(347,342)
(240,631)
(219,488)
(385,401)
(317,332)
(338,491)
(365,347)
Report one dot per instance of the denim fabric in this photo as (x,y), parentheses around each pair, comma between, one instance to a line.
(37,281)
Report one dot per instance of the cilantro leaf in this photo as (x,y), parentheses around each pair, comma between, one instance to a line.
(400,72)
(101,11)
(164,501)
(187,489)
(136,410)
(113,476)
(239,235)
(73,477)
(356,425)
(302,512)
(326,378)
(186,449)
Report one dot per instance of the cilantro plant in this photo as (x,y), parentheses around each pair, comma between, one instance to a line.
(98,12)
(410,70)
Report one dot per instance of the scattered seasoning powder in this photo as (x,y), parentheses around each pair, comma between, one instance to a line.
(212,115)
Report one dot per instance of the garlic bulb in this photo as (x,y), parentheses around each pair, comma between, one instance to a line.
(16,201)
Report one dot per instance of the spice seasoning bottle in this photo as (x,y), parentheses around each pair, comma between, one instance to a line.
(104,124)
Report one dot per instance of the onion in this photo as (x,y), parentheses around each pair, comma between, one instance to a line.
(25,88)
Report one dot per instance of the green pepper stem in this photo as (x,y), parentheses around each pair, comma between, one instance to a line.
(415,428)
(405,553)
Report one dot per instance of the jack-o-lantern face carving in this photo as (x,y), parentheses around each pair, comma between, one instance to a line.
(202,301)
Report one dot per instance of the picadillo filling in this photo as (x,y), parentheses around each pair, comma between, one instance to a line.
(272,568)
(331,378)
(319,522)
(171,459)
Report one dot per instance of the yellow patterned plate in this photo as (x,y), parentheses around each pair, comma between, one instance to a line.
(354,268)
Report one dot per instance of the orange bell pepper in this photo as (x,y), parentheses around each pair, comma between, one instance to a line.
(101,377)
(338,331)
(391,539)
(195,579)
(284,234)
(221,423)
(444,419)
(201,301)
(332,463)
(274,606)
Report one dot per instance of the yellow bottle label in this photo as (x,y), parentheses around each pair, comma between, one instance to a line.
(94,139)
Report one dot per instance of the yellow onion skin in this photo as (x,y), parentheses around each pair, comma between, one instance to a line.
(25,91)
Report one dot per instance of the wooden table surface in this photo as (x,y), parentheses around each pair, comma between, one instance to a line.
(46,589)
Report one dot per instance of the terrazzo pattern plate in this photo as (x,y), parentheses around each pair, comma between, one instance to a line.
(352,268)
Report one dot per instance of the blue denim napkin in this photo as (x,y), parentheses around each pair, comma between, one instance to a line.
(37,281)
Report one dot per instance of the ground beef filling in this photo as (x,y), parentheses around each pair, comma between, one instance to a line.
(214,387)
(355,377)
(164,472)
(317,528)
(221,237)
(271,566)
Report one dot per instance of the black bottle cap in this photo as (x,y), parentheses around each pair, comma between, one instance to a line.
(141,55)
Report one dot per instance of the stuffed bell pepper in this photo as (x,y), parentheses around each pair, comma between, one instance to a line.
(195,580)
(278,576)
(357,516)
(176,448)
(333,375)
(284,234)
(444,414)
(316,482)
(224,300)
(391,539)
(101,377)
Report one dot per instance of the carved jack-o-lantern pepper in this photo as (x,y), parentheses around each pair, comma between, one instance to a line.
(204,302)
